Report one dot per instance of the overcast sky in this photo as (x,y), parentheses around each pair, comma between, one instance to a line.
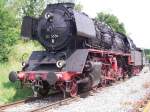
(135,14)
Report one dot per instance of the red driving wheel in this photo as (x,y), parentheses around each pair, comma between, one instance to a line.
(74,89)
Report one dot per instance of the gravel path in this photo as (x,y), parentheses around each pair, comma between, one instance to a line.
(118,98)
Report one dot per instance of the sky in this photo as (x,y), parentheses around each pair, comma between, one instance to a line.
(135,14)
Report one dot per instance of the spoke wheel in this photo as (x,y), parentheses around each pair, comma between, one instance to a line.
(74,89)
(84,87)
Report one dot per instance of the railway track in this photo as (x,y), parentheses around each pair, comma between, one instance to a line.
(67,100)
(3,107)
(59,102)
(53,104)
(17,103)
(49,105)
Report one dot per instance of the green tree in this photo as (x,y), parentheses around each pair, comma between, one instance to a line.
(8,31)
(30,7)
(11,14)
(63,1)
(78,7)
(111,20)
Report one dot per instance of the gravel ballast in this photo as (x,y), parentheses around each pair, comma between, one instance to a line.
(118,98)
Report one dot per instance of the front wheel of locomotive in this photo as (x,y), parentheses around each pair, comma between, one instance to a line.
(84,87)
(71,89)
(41,91)
(74,89)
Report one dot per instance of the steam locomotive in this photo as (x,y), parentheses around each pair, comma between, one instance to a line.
(80,53)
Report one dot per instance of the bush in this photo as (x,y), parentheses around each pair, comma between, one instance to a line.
(10,92)
(8,32)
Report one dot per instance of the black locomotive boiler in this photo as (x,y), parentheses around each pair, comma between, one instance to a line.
(80,52)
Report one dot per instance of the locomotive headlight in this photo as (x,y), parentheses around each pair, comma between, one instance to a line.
(60,63)
(23,63)
(49,16)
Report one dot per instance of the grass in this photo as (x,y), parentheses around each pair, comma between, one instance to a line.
(10,92)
